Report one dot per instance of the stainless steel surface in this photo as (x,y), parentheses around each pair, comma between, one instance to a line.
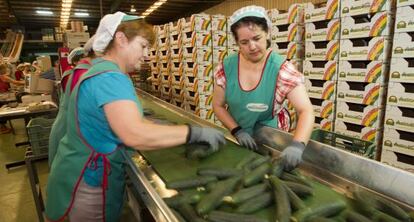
(345,170)
(339,169)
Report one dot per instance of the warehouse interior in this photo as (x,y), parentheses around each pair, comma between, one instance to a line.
(353,151)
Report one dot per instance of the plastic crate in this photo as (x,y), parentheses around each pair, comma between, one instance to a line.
(354,145)
(38,131)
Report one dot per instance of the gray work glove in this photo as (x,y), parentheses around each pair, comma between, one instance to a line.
(292,155)
(245,139)
(211,136)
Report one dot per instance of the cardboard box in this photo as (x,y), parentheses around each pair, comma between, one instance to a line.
(163,41)
(219,53)
(197,22)
(320,89)
(176,52)
(175,27)
(166,90)
(324,50)
(380,24)
(155,87)
(360,114)
(322,30)
(197,38)
(293,15)
(399,158)
(75,39)
(363,71)
(177,80)
(175,39)
(376,48)
(232,51)
(197,54)
(372,134)
(164,67)
(404,21)
(176,66)
(191,108)
(177,102)
(402,70)
(403,46)
(400,94)
(207,114)
(155,76)
(323,70)
(400,118)
(401,3)
(360,7)
(219,23)
(325,124)
(327,11)
(191,97)
(323,108)
(200,70)
(178,92)
(289,50)
(398,139)
(163,30)
(206,101)
(219,38)
(361,93)
(231,42)
(201,86)
(287,33)
(218,122)
(164,53)
(166,79)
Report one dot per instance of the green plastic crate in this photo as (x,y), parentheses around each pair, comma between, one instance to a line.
(361,147)
(38,131)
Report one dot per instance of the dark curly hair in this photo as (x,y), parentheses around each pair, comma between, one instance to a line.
(248,20)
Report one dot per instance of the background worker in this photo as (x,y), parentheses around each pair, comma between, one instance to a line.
(105,116)
(254,83)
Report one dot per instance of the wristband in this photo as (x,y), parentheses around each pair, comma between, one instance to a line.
(235,130)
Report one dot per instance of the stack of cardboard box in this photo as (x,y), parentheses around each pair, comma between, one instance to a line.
(398,145)
(155,65)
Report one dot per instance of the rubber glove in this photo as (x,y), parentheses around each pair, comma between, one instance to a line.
(245,139)
(292,155)
(211,136)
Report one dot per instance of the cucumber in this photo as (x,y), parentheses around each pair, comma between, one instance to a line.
(300,189)
(295,178)
(220,173)
(198,151)
(352,216)
(277,168)
(283,210)
(256,162)
(213,199)
(180,199)
(247,193)
(249,158)
(323,210)
(189,214)
(295,202)
(322,219)
(256,203)
(177,215)
(256,175)
(210,186)
(220,216)
(383,217)
(190,182)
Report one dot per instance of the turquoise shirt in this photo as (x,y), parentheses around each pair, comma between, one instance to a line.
(94,93)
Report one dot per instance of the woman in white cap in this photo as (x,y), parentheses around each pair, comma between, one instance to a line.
(80,58)
(86,181)
(254,83)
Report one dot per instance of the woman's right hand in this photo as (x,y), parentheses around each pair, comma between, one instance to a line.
(211,136)
(245,140)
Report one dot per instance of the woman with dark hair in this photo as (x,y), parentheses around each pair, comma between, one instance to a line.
(104,115)
(250,86)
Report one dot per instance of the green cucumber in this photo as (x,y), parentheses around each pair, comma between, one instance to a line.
(190,182)
(256,175)
(383,217)
(177,215)
(300,189)
(213,199)
(277,168)
(179,199)
(352,216)
(296,178)
(220,216)
(295,202)
(321,219)
(256,162)
(210,186)
(247,193)
(220,173)
(323,210)
(246,160)
(283,210)
(189,214)
(256,203)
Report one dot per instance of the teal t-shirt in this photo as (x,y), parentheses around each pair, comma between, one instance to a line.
(93,94)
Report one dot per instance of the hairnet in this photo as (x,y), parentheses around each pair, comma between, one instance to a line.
(252,10)
(75,52)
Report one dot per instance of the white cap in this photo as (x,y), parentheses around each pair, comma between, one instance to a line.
(107,27)
(252,10)
(88,45)
(75,52)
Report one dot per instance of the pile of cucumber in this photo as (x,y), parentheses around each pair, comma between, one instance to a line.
(257,182)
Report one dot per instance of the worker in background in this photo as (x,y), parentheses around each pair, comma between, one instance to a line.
(86,180)
(254,83)
(5,81)
(70,77)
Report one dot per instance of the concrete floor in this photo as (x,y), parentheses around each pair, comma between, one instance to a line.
(16,200)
